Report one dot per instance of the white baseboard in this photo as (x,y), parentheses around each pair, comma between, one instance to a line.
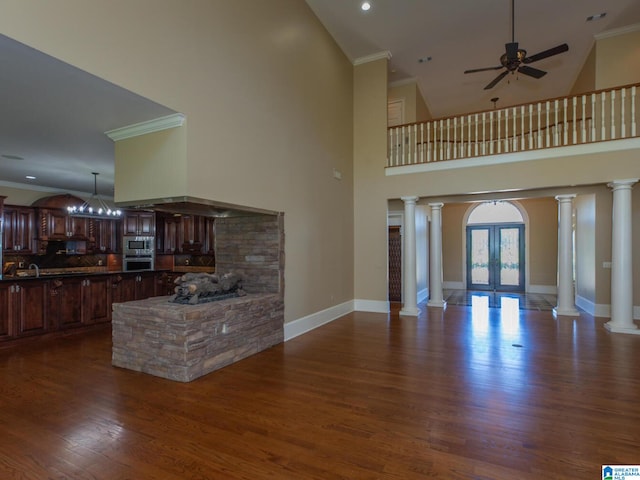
(595,309)
(305,324)
(374,306)
(423,295)
(453,285)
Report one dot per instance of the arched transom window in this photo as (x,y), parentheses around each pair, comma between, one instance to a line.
(495,212)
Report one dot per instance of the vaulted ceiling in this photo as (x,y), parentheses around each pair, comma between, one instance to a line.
(455,35)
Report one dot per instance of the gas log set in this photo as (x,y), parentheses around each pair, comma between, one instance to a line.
(194,288)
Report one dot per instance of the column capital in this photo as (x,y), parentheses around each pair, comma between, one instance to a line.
(626,183)
(409,199)
(436,205)
(566,198)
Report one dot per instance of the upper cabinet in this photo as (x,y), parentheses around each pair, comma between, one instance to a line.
(186,234)
(58,225)
(139,223)
(18,235)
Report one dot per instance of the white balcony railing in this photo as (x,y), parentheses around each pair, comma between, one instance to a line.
(591,117)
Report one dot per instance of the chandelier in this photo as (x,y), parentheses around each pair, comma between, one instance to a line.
(95,206)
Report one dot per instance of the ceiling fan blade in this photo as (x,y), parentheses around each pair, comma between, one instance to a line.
(496,80)
(532,72)
(547,53)
(483,69)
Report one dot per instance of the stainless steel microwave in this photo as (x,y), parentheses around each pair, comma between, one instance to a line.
(134,246)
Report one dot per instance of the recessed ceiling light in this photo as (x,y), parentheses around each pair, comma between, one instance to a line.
(11,157)
(365,6)
(30,177)
(596,17)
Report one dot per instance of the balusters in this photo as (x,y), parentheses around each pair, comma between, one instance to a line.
(633,111)
(603,135)
(422,143)
(429,142)
(623,129)
(613,121)
(579,119)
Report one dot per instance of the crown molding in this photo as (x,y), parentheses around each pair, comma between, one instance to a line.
(150,126)
(386,54)
(615,32)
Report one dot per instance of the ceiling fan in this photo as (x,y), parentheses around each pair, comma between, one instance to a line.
(515,59)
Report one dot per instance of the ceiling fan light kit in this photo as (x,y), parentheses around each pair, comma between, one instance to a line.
(515,59)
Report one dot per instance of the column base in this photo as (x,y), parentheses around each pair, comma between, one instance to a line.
(409,312)
(614,328)
(565,312)
(436,303)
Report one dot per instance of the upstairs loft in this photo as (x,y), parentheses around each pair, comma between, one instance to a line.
(598,121)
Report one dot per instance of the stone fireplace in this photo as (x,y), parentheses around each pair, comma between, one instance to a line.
(184,342)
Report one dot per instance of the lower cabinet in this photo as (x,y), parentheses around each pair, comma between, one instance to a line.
(133,286)
(39,306)
(23,309)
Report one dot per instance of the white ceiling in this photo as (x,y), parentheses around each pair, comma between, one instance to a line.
(467,34)
(54,115)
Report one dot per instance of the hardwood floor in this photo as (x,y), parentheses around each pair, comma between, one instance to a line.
(455,395)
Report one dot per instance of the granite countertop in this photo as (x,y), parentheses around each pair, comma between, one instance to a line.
(46,273)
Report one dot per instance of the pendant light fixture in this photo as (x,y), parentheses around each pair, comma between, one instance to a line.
(95,206)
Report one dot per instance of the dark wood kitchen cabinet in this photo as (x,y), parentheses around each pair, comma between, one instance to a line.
(139,223)
(78,301)
(18,235)
(58,225)
(23,309)
(167,228)
(65,302)
(133,286)
(96,299)
(7,326)
(105,235)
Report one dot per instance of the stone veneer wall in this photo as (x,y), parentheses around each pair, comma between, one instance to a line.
(184,342)
(254,247)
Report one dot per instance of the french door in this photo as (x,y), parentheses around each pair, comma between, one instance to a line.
(495,257)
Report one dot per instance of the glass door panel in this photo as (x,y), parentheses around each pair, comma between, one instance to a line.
(479,264)
(495,257)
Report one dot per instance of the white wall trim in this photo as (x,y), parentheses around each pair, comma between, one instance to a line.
(530,155)
(385,54)
(374,306)
(595,309)
(150,126)
(306,324)
(453,285)
(543,289)
(615,32)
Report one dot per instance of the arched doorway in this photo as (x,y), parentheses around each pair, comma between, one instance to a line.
(495,248)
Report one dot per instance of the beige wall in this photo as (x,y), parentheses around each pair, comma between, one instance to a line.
(585,235)
(369,158)
(618,60)
(586,80)
(164,153)
(268,98)
(415,108)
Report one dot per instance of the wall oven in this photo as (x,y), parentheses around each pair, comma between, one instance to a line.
(138,253)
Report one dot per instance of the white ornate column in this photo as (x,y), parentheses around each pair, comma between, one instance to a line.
(409,277)
(435,277)
(621,260)
(566,294)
